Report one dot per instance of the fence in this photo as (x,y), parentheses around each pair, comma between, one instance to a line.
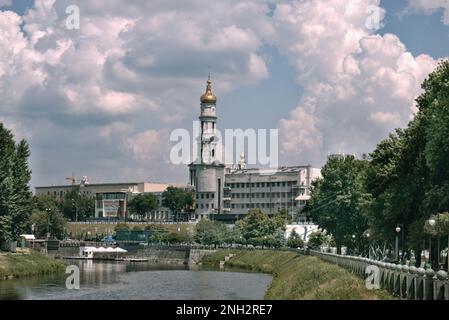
(114,222)
(405,282)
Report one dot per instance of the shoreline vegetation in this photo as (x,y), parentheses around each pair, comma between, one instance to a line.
(299,277)
(16,265)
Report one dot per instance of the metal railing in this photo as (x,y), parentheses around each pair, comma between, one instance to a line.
(403,281)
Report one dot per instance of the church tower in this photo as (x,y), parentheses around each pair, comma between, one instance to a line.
(206,172)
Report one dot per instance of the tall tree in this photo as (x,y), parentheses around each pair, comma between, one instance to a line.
(76,206)
(338,198)
(47,217)
(142,204)
(178,200)
(14,190)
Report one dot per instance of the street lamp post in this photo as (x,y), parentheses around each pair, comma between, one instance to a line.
(398,229)
(369,245)
(432,223)
(353,240)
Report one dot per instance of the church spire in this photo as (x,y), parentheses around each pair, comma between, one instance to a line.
(208,96)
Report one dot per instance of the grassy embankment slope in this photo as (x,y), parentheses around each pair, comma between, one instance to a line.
(22,265)
(298,277)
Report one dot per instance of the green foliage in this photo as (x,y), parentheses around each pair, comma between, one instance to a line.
(297,277)
(47,218)
(258,229)
(282,218)
(15,195)
(178,200)
(408,175)
(142,204)
(28,265)
(211,233)
(76,206)
(441,226)
(121,227)
(316,240)
(294,240)
(338,199)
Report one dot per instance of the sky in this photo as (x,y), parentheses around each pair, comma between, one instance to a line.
(333,76)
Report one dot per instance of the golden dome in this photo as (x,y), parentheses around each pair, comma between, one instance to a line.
(208,96)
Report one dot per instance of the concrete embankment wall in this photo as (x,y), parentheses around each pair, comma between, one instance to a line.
(163,255)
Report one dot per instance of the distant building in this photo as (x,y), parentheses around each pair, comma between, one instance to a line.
(268,189)
(111,199)
(228,193)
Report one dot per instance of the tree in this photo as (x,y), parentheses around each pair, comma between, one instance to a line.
(15,195)
(338,198)
(143,204)
(316,240)
(294,240)
(178,200)
(408,175)
(282,218)
(257,227)
(211,232)
(46,217)
(77,207)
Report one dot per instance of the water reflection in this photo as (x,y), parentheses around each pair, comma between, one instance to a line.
(125,280)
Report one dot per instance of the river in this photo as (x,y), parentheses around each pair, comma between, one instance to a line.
(142,281)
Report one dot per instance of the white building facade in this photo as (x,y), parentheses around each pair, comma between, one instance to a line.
(228,194)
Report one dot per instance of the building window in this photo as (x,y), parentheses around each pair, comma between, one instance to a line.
(213,195)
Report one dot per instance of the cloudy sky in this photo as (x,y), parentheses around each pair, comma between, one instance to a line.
(101,100)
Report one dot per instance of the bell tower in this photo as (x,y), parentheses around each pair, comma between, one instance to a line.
(208,125)
(207,173)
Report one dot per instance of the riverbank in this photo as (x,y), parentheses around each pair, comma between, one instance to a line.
(299,277)
(16,265)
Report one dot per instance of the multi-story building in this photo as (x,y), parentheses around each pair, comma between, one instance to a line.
(228,193)
(111,199)
(267,189)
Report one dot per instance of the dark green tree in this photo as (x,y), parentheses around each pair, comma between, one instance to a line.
(47,217)
(316,240)
(15,195)
(77,207)
(143,204)
(211,232)
(338,198)
(178,200)
(294,240)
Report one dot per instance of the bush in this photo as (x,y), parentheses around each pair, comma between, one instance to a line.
(316,240)
(121,227)
(295,241)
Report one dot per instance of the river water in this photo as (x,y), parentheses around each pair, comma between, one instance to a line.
(130,281)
